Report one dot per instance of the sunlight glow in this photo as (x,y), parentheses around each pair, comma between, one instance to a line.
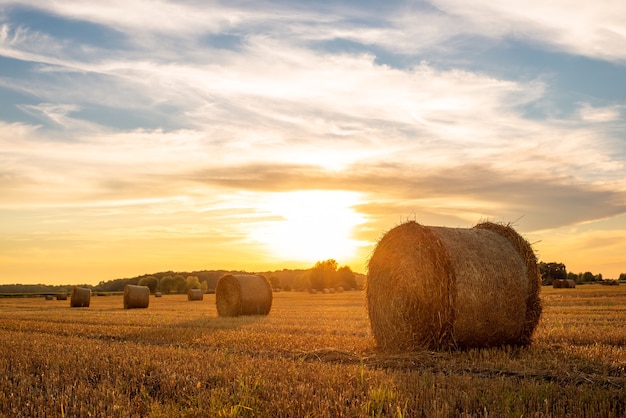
(314,225)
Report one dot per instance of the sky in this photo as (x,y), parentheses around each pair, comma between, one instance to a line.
(146,136)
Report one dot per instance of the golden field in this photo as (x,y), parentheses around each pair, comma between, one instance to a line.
(313,355)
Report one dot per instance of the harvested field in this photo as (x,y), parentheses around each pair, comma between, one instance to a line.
(312,355)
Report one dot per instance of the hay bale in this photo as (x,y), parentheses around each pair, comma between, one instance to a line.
(564,284)
(195,294)
(48,297)
(62,296)
(569,284)
(243,294)
(81,297)
(441,288)
(158,294)
(136,297)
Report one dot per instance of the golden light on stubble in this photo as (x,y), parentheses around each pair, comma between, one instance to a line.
(311,226)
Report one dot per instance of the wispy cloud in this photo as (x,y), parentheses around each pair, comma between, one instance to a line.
(591,29)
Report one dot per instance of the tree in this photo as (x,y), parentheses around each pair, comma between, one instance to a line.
(588,277)
(346,278)
(302,281)
(193,282)
(166,284)
(150,281)
(551,272)
(573,276)
(180,284)
(622,276)
(323,274)
(274,281)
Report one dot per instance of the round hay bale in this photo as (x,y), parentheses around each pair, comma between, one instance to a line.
(243,294)
(49,297)
(441,288)
(158,294)
(136,297)
(81,297)
(558,283)
(62,296)
(569,284)
(195,294)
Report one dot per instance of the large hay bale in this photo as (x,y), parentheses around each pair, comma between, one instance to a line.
(243,294)
(441,288)
(195,294)
(558,283)
(81,297)
(136,297)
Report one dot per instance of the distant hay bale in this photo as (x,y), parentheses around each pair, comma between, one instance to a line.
(62,296)
(136,297)
(564,284)
(243,294)
(48,297)
(81,297)
(195,294)
(158,294)
(441,288)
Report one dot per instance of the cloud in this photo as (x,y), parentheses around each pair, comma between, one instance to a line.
(589,113)
(594,30)
(461,195)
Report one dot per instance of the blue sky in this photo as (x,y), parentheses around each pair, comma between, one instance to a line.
(149,135)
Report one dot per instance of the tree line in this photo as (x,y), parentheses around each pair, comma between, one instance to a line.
(324,274)
(557,271)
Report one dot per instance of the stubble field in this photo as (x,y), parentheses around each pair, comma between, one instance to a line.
(313,355)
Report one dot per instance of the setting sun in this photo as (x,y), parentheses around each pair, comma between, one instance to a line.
(311,225)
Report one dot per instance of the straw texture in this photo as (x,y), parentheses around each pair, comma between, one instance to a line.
(243,294)
(136,297)
(195,294)
(441,288)
(81,297)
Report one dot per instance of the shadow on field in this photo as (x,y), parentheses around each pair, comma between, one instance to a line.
(524,363)
(204,331)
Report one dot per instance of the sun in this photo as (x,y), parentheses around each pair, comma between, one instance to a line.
(311,225)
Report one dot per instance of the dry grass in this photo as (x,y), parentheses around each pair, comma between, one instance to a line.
(313,355)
